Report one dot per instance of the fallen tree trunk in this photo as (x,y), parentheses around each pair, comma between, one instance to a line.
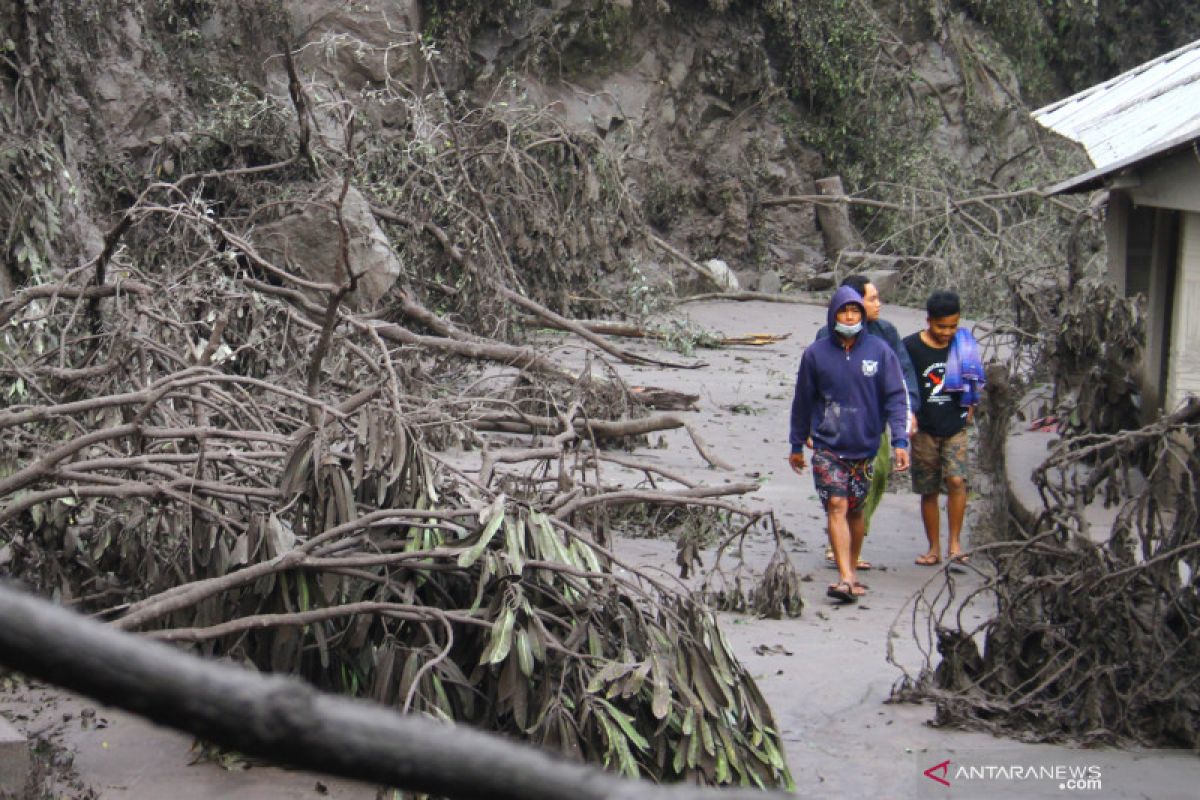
(682,257)
(289,722)
(602,429)
(630,330)
(762,296)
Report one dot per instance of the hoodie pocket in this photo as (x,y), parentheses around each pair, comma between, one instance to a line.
(837,421)
(831,421)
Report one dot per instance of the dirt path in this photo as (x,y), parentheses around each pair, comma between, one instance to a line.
(825,674)
(828,689)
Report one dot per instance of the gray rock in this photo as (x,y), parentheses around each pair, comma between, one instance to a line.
(680,69)
(885,280)
(721,274)
(358,43)
(822,281)
(747,280)
(308,244)
(666,112)
(770,282)
(14,759)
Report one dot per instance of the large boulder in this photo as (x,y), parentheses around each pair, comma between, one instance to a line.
(308,243)
(358,45)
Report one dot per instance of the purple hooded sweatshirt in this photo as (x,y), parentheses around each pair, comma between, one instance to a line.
(845,397)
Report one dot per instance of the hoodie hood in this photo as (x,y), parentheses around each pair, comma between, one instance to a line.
(844,296)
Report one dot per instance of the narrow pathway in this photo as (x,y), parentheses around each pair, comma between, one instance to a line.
(826,674)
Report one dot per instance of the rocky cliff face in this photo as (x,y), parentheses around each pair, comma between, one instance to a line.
(688,102)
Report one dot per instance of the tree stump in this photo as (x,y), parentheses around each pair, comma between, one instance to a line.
(837,232)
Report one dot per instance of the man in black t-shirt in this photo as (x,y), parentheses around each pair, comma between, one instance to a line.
(939,446)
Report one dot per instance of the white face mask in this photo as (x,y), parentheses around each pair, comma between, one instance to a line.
(848,330)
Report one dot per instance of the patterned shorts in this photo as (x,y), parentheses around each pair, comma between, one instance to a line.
(935,458)
(839,477)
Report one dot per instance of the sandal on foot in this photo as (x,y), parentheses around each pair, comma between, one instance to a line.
(830,561)
(928,560)
(864,564)
(958,558)
(858,589)
(842,590)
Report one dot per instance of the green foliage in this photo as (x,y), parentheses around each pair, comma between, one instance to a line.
(241,118)
(665,198)
(33,186)
(1062,46)
(684,336)
(180,16)
(594,33)
(462,19)
(833,62)
(565,41)
(827,50)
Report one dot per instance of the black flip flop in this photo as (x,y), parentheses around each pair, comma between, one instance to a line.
(838,593)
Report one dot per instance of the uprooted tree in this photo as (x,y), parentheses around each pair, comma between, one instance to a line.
(292,415)
(230,430)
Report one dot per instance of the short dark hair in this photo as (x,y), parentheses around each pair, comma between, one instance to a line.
(942,303)
(858,283)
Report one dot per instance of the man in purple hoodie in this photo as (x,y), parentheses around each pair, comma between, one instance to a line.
(848,389)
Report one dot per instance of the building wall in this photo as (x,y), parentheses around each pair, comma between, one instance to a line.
(1170,182)
(1161,260)
(1184,358)
(1116,232)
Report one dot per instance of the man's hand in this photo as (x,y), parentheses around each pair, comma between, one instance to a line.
(901,459)
(796,460)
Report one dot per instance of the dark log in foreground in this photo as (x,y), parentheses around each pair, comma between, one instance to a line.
(291,723)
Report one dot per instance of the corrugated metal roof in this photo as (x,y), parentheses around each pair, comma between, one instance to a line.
(1094,179)
(1134,114)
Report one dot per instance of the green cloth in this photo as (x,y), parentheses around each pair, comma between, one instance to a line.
(879,480)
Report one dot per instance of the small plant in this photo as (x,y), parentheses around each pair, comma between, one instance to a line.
(34,185)
(685,336)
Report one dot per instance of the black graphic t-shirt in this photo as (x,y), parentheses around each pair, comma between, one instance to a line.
(940,413)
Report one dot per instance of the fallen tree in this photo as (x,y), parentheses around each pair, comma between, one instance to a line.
(289,723)
(213,441)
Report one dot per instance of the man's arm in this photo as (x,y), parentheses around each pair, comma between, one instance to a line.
(802,402)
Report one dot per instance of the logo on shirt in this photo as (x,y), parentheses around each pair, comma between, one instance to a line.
(935,376)
(870,367)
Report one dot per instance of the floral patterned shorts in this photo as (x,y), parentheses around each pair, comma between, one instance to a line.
(840,477)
